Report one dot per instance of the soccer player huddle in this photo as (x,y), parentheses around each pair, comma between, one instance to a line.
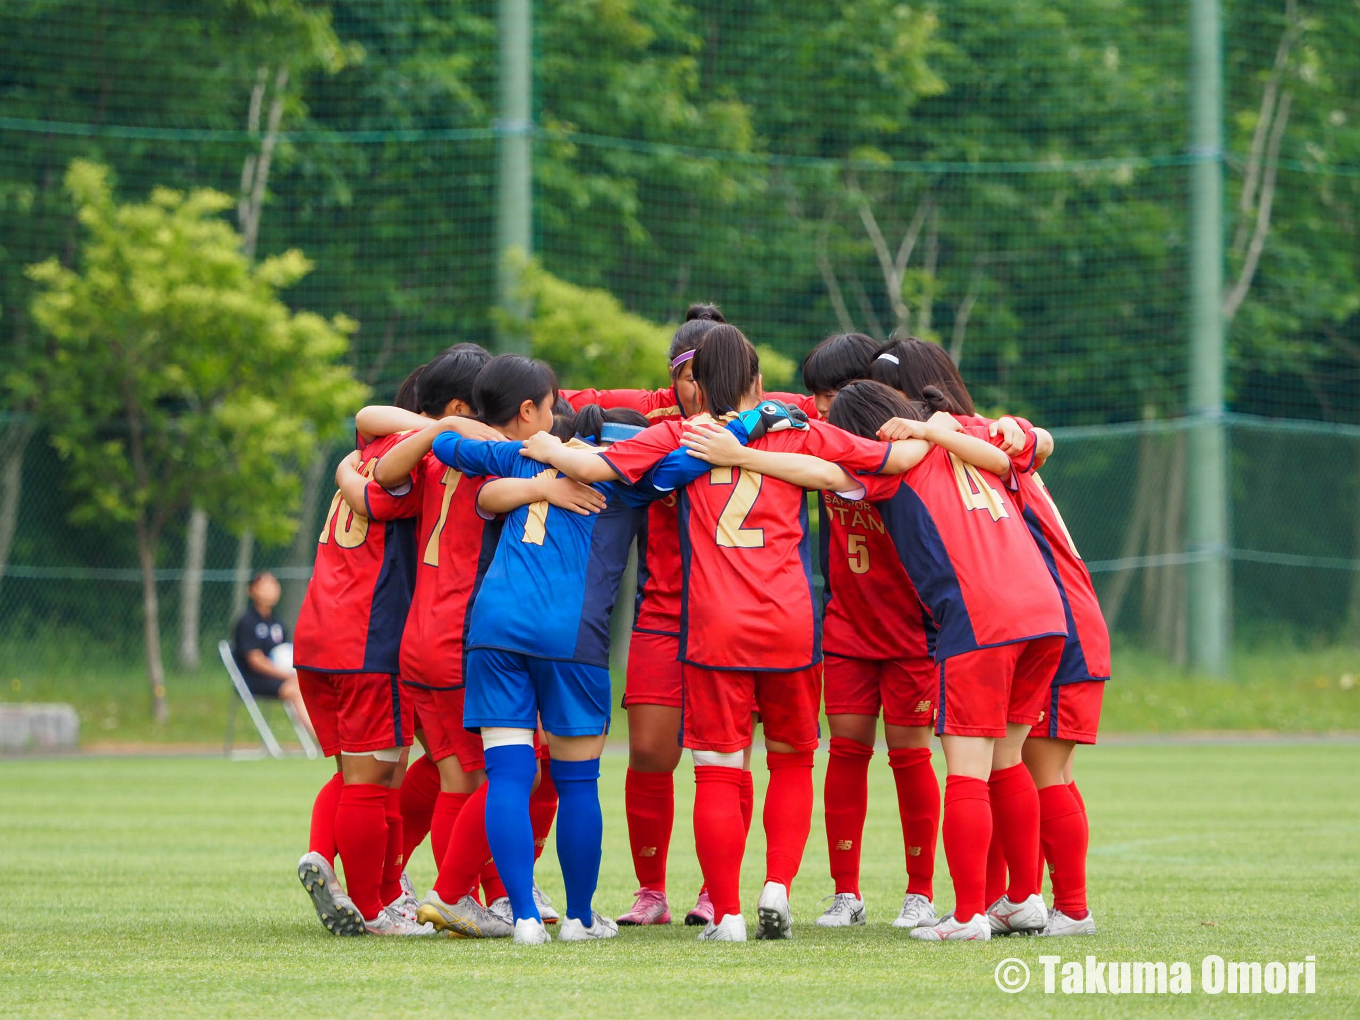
(462,592)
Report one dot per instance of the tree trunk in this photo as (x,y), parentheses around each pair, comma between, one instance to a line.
(11,485)
(151,615)
(240,585)
(1353,612)
(191,594)
(303,552)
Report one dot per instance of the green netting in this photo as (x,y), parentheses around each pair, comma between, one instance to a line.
(1008,177)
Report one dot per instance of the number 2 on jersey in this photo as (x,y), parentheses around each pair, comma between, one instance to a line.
(974,490)
(730,531)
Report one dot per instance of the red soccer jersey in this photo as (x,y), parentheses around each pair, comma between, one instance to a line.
(454,546)
(747,601)
(966,547)
(357,600)
(657,606)
(870,608)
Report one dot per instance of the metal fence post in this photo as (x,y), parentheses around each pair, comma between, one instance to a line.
(1207,484)
(514,151)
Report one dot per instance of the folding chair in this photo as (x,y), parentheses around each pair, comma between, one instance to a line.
(247,698)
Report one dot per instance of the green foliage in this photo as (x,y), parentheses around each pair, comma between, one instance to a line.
(173,374)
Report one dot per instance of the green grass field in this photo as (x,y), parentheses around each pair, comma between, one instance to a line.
(149,887)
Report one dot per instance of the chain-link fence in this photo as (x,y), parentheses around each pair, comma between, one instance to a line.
(1011,179)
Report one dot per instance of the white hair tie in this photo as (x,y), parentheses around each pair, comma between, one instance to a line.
(889,357)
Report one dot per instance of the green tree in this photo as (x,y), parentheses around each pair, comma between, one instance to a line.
(172,373)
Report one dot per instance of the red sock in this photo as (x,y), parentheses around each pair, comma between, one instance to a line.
(918,804)
(447,807)
(967,832)
(492,886)
(393,861)
(1063,831)
(1015,811)
(649,803)
(845,802)
(719,841)
(1085,818)
(467,852)
(419,790)
(321,838)
(361,838)
(996,866)
(788,814)
(542,810)
(748,799)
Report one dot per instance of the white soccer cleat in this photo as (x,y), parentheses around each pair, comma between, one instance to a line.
(544,905)
(394,922)
(1060,924)
(465,919)
(334,909)
(773,911)
(502,909)
(732,928)
(408,887)
(916,911)
(572,930)
(406,906)
(529,932)
(846,910)
(1027,918)
(978,928)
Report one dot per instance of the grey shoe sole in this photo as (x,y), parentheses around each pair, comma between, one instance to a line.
(772,925)
(338,918)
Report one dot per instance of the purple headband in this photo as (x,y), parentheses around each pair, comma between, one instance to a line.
(680,359)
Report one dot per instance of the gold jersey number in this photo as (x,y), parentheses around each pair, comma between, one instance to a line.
(975,491)
(450,482)
(731,533)
(351,527)
(1061,523)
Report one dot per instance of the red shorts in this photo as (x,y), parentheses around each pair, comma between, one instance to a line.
(717,708)
(356,713)
(1073,712)
(653,670)
(439,714)
(983,690)
(903,688)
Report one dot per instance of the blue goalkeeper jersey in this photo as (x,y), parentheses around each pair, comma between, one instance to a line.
(552,583)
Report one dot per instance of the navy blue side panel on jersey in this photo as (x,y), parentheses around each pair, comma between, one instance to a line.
(643,574)
(824,548)
(932,631)
(923,554)
(1072,666)
(805,556)
(616,526)
(391,597)
(686,552)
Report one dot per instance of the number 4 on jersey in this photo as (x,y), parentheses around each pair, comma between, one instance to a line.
(974,490)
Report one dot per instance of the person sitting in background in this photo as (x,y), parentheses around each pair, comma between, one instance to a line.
(262,652)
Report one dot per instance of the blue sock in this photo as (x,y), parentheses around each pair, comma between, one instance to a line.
(510,772)
(580,831)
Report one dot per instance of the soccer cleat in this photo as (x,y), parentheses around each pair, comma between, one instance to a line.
(466,919)
(544,905)
(1060,924)
(702,912)
(408,888)
(573,930)
(978,928)
(773,910)
(916,911)
(846,910)
(732,928)
(529,932)
(335,910)
(501,908)
(1027,918)
(394,922)
(406,906)
(650,907)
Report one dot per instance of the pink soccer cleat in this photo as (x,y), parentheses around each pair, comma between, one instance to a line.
(650,907)
(702,912)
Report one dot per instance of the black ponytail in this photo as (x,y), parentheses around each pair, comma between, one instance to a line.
(726,367)
(910,364)
(863,406)
(699,319)
(590,421)
(506,382)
